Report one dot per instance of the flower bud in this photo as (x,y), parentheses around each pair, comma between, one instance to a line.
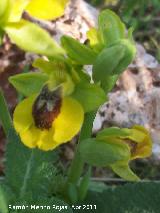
(113,60)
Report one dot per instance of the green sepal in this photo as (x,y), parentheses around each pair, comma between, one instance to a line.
(107,61)
(111,28)
(91,96)
(113,132)
(123,170)
(57,72)
(5,118)
(101,153)
(109,82)
(112,61)
(30,37)
(84,185)
(129,54)
(79,74)
(72,193)
(84,77)
(28,83)
(49,67)
(78,52)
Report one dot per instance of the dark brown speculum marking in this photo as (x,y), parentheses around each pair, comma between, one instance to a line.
(132,145)
(46,107)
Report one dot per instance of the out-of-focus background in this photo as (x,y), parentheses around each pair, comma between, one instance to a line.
(136,96)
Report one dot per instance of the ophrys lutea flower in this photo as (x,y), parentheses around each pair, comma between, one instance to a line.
(48,119)
(137,141)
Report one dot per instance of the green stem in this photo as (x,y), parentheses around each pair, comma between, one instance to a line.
(5,117)
(77,163)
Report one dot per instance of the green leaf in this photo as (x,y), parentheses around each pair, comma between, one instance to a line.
(25,168)
(5,117)
(111,27)
(93,94)
(3,200)
(30,37)
(97,186)
(100,153)
(123,170)
(128,198)
(80,53)
(43,204)
(28,83)
(106,62)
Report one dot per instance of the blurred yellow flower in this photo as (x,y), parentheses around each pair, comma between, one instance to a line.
(48,10)
(48,119)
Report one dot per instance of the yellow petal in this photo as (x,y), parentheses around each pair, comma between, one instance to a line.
(144,149)
(92,35)
(46,142)
(48,9)
(94,39)
(136,135)
(22,117)
(30,136)
(69,121)
(18,6)
(4,11)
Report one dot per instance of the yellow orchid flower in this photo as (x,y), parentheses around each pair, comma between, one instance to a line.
(140,142)
(140,145)
(48,119)
(137,140)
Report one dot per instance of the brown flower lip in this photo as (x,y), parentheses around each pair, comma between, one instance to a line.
(132,145)
(46,107)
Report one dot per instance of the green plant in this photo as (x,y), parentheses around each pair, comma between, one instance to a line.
(62,101)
